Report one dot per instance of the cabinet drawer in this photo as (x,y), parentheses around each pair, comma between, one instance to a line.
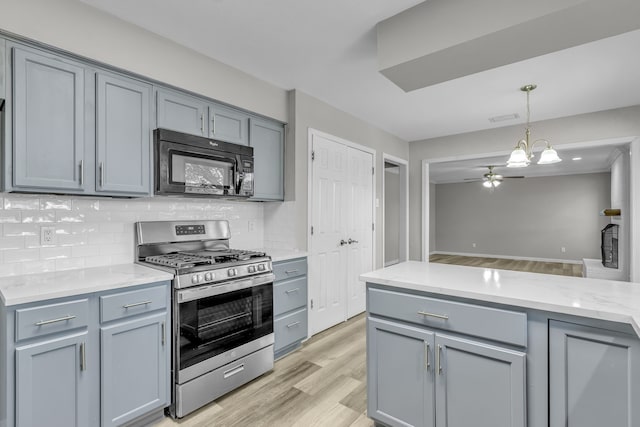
(131,303)
(290,328)
(289,295)
(484,322)
(289,269)
(51,318)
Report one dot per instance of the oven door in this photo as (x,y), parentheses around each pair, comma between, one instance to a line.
(217,323)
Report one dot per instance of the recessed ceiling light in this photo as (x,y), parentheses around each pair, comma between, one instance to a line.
(504,118)
(577,158)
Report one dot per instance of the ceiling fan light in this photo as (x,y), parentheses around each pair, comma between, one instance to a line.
(518,159)
(549,156)
(487,184)
(496,183)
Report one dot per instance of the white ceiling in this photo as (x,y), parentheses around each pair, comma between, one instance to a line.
(328,49)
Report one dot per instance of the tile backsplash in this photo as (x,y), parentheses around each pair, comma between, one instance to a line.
(92,232)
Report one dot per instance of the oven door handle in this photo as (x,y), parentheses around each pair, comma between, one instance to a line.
(194,293)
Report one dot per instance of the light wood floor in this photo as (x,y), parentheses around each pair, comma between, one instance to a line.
(321,384)
(561,269)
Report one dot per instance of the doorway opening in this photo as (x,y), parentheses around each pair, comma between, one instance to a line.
(395,212)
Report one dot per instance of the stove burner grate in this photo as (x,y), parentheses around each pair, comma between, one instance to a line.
(179,260)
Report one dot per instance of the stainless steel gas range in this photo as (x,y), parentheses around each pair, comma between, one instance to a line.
(222,308)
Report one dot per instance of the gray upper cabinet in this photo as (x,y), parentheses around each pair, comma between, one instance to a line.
(48,130)
(228,125)
(123,146)
(267,140)
(478,384)
(594,377)
(182,112)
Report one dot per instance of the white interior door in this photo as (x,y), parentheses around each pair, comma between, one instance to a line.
(360,228)
(341,211)
(327,261)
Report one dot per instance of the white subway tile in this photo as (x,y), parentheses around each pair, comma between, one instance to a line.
(69,216)
(21,229)
(83,204)
(38,267)
(97,261)
(53,203)
(111,227)
(12,269)
(100,238)
(84,251)
(22,255)
(10,217)
(69,264)
(38,217)
(22,202)
(7,243)
(55,252)
(72,240)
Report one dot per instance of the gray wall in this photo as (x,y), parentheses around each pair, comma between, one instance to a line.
(76,27)
(530,218)
(309,112)
(391,214)
(622,122)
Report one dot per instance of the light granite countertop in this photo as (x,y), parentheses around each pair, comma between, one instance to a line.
(28,288)
(593,298)
(283,254)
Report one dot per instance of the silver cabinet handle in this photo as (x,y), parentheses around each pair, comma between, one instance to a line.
(202,123)
(81,177)
(291,325)
(59,319)
(290,291)
(101,174)
(352,241)
(213,125)
(343,242)
(291,271)
(427,364)
(83,357)
(135,304)
(437,316)
(439,359)
(164,332)
(234,371)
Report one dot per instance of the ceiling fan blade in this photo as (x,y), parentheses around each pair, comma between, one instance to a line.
(521,176)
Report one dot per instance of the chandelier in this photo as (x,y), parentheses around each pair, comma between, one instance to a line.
(523,152)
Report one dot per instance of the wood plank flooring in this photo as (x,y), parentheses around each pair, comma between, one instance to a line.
(558,268)
(321,384)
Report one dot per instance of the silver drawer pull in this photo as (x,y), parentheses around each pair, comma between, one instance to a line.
(231,372)
(427,364)
(439,359)
(291,271)
(59,319)
(291,325)
(290,291)
(136,304)
(437,316)
(83,357)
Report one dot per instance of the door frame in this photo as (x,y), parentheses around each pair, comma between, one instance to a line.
(310,134)
(403,244)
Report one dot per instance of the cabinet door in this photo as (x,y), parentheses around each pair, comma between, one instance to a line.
(52,386)
(478,384)
(400,388)
(229,125)
(48,132)
(267,140)
(594,377)
(134,371)
(182,113)
(123,135)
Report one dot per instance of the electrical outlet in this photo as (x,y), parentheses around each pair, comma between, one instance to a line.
(563,249)
(251,225)
(473,245)
(47,235)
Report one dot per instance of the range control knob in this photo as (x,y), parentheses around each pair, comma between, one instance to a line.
(261,267)
(231,272)
(252,269)
(195,278)
(208,276)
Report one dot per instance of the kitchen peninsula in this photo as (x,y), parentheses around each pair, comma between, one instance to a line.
(459,346)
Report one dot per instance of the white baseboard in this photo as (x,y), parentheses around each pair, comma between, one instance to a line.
(520,258)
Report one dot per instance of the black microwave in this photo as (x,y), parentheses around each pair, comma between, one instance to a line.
(190,165)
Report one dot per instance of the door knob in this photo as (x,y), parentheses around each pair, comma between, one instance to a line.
(343,242)
(352,241)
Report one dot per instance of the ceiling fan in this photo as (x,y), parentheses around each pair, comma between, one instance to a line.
(491,179)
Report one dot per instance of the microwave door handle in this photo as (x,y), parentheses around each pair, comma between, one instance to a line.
(239,177)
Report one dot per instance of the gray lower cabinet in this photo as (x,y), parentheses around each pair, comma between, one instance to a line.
(48,122)
(289,305)
(76,129)
(267,140)
(95,359)
(52,386)
(419,377)
(123,145)
(594,377)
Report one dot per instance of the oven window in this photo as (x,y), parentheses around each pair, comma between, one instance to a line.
(201,172)
(213,325)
